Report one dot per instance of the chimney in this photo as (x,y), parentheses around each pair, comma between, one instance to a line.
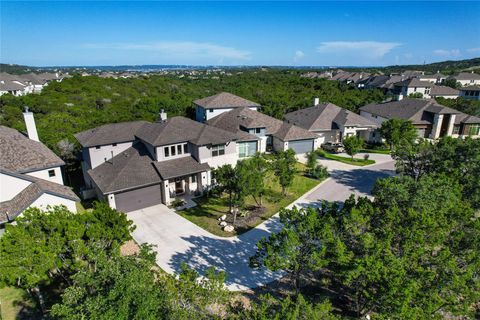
(316,101)
(163,115)
(30,123)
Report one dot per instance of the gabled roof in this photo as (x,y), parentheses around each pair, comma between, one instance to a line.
(432,76)
(466,76)
(327,116)
(109,133)
(179,167)
(244,117)
(414,82)
(10,209)
(127,170)
(9,85)
(466,119)
(224,100)
(419,111)
(443,91)
(181,129)
(21,154)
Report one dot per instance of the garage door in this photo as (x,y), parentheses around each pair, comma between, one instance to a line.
(138,198)
(301,146)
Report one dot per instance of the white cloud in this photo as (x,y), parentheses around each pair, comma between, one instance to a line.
(181,48)
(447,53)
(298,56)
(373,49)
(473,50)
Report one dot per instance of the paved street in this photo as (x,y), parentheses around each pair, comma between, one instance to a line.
(178,240)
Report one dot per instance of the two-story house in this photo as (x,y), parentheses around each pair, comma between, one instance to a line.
(134,165)
(210,107)
(332,123)
(470,92)
(30,174)
(436,78)
(413,86)
(431,119)
(467,78)
(273,134)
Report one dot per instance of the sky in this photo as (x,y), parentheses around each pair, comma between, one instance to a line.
(43,33)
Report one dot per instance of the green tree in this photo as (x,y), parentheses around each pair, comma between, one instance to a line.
(231,180)
(293,249)
(397,131)
(252,173)
(46,246)
(284,168)
(311,161)
(352,145)
(452,83)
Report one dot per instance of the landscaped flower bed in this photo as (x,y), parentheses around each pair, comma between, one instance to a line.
(210,209)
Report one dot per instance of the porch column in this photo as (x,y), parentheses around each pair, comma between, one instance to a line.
(165,192)
(451,123)
(437,125)
(111,201)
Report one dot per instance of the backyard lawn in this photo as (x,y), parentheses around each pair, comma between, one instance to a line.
(208,210)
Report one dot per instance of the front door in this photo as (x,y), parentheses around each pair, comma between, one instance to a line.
(179,189)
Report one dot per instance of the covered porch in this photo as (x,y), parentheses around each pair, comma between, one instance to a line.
(183,178)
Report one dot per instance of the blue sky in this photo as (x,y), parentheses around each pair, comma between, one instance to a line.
(238,33)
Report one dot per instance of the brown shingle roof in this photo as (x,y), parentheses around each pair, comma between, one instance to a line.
(466,76)
(414,82)
(110,133)
(12,208)
(244,117)
(327,116)
(181,129)
(179,167)
(21,154)
(127,170)
(443,91)
(224,100)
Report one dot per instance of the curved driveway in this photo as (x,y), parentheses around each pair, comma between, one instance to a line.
(178,240)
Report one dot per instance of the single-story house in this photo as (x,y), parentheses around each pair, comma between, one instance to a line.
(272,133)
(332,123)
(210,107)
(431,119)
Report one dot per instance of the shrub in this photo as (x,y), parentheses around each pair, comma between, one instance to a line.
(177,203)
(366,156)
(320,172)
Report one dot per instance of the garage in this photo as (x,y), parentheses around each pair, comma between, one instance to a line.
(138,198)
(301,146)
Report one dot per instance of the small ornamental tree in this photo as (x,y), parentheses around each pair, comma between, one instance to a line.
(252,173)
(352,145)
(284,168)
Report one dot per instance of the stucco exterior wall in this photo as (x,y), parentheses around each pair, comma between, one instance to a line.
(279,145)
(104,153)
(46,200)
(327,136)
(374,118)
(230,156)
(203,115)
(43,174)
(11,186)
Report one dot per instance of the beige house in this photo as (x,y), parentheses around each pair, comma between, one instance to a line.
(210,107)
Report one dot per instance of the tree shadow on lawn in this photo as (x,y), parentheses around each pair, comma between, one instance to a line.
(360,180)
(229,255)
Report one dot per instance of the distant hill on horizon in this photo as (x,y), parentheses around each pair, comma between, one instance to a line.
(449,66)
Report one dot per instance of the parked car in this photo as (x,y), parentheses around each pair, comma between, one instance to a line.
(334,147)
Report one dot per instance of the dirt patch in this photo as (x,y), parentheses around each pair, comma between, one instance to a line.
(246,217)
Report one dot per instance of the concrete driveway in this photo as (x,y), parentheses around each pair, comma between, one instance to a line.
(178,240)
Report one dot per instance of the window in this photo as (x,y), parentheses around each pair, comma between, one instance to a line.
(415,89)
(211,110)
(456,129)
(51,173)
(172,149)
(179,149)
(258,130)
(193,178)
(185,148)
(167,151)
(97,147)
(218,150)
(114,144)
(474,130)
(247,149)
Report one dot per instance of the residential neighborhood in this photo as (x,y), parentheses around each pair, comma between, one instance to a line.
(239,160)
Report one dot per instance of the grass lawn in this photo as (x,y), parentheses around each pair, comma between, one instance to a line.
(355,161)
(380,151)
(208,211)
(16,304)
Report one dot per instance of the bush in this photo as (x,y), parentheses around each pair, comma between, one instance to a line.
(366,156)
(320,172)
(177,203)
